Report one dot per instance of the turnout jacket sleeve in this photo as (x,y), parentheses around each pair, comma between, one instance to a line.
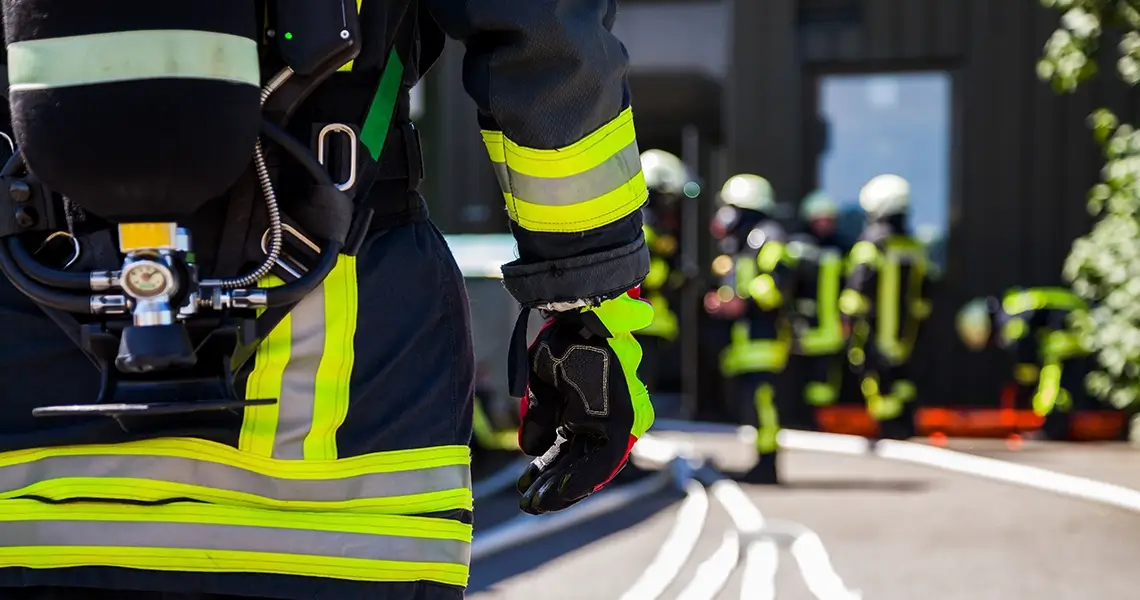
(549,80)
(858,295)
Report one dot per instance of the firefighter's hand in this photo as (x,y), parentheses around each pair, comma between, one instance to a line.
(585,406)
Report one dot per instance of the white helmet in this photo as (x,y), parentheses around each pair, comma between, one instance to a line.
(747,191)
(664,172)
(818,205)
(885,196)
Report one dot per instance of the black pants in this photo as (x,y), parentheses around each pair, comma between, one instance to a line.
(891,381)
(754,399)
(814,381)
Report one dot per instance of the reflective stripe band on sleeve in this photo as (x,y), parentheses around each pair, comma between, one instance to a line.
(204,538)
(306,363)
(130,56)
(587,185)
(417,481)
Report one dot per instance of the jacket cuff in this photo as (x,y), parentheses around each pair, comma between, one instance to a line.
(591,278)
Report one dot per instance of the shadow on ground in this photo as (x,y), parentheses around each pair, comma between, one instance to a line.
(893,486)
(486,573)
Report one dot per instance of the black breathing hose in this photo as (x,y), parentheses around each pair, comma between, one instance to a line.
(295,291)
(296,151)
(50,277)
(41,295)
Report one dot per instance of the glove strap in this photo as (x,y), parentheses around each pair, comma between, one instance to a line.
(518,359)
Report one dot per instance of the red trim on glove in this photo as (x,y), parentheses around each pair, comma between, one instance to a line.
(635,292)
(624,459)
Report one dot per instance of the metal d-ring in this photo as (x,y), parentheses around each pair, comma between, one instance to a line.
(74,245)
(347,131)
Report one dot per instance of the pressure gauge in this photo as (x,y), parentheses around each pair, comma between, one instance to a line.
(147,279)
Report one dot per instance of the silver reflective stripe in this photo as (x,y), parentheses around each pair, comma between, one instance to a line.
(612,174)
(131,56)
(299,381)
(217,476)
(242,538)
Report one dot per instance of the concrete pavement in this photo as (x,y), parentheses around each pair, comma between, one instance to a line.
(895,531)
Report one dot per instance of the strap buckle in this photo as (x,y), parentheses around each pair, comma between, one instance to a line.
(352,144)
(287,263)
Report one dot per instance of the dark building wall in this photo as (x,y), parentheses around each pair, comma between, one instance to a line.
(1023,158)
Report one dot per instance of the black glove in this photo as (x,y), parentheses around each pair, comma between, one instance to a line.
(584,407)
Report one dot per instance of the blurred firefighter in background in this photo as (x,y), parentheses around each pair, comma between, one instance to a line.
(665,176)
(816,361)
(1049,362)
(495,426)
(884,303)
(752,271)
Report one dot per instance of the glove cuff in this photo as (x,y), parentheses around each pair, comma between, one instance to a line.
(586,280)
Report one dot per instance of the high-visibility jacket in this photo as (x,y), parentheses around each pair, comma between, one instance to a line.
(887,291)
(814,305)
(1031,326)
(759,273)
(276,496)
(661,279)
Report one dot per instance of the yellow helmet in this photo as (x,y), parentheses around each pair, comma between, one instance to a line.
(664,172)
(885,196)
(975,323)
(747,191)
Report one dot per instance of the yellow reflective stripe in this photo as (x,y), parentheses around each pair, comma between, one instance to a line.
(400,482)
(854,304)
(306,363)
(770,256)
(586,154)
(745,355)
(487,436)
(862,253)
(828,337)
(768,428)
(904,391)
(744,273)
(880,407)
(348,65)
(1041,298)
(763,290)
(208,538)
(820,394)
(259,423)
(98,58)
(1025,373)
(894,338)
(334,376)
(1059,345)
(1048,387)
(658,274)
(586,185)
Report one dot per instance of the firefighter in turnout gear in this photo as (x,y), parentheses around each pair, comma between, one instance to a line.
(253,375)
(1030,324)
(884,303)
(816,360)
(665,176)
(753,274)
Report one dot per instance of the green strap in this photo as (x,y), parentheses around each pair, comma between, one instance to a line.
(374,132)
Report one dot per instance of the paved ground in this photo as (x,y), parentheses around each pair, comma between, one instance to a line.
(894,531)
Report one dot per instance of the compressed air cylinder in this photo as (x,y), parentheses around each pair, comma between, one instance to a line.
(136,110)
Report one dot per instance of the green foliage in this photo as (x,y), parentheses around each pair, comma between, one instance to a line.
(1104,266)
